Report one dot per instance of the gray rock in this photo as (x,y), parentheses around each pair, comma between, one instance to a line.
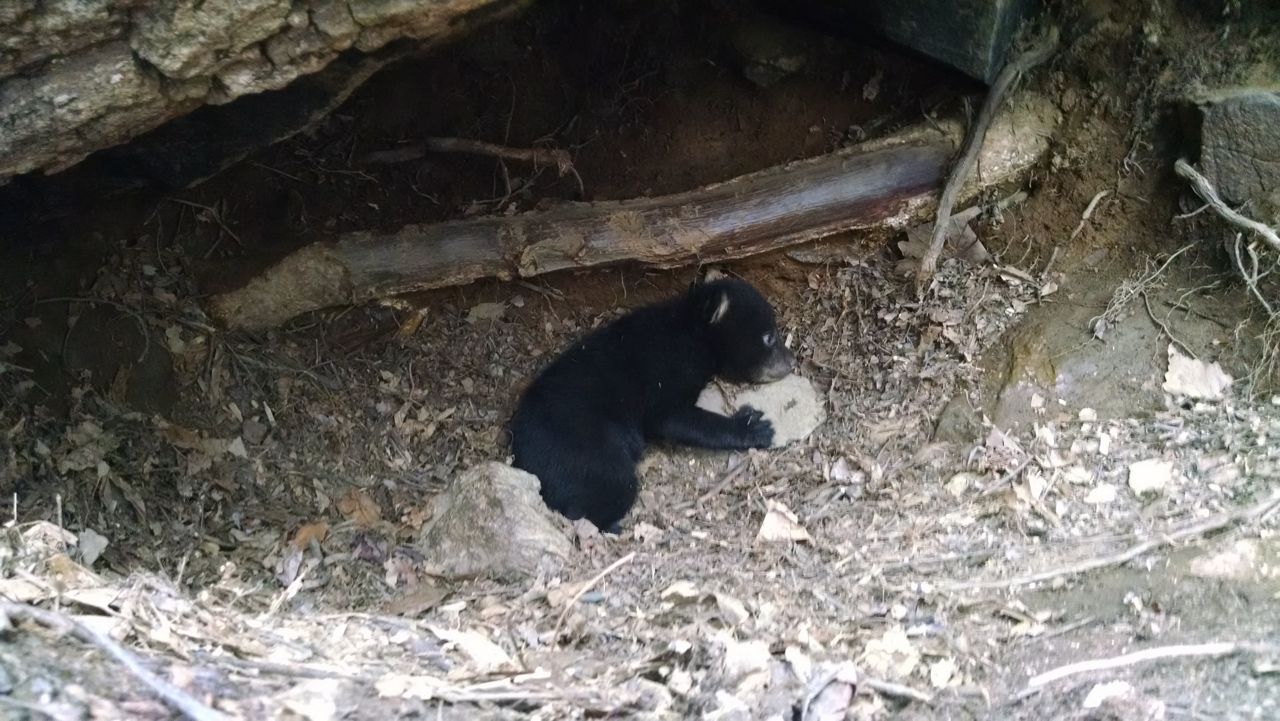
(88,100)
(77,76)
(1240,148)
(491,522)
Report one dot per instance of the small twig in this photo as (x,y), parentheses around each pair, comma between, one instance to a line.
(1088,213)
(292,670)
(1193,213)
(1164,327)
(135,315)
(1005,480)
(557,158)
(1159,653)
(587,587)
(1015,69)
(1126,292)
(1044,274)
(727,480)
(176,697)
(279,172)
(896,690)
(1062,630)
(1209,195)
(217,218)
(1194,530)
(547,292)
(1251,279)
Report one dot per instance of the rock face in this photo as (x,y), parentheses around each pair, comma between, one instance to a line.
(491,522)
(80,75)
(1240,148)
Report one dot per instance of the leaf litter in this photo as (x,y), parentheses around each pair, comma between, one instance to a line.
(321,568)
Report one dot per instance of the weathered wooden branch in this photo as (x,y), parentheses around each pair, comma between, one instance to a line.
(885,184)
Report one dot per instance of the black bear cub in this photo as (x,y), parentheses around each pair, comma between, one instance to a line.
(583,423)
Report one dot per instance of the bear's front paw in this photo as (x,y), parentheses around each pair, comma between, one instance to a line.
(755,430)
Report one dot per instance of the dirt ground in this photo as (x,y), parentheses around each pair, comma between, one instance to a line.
(240,510)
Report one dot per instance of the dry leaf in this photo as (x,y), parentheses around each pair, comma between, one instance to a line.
(891,656)
(308,533)
(20,590)
(961,242)
(486,311)
(1193,378)
(780,524)
(560,596)
(1150,476)
(314,700)
(487,656)
(1103,691)
(70,574)
(681,592)
(647,533)
(103,598)
(42,537)
(91,544)
(359,507)
(237,449)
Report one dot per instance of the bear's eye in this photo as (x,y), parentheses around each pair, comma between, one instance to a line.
(768,339)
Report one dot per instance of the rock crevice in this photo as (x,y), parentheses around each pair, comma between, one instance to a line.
(81,75)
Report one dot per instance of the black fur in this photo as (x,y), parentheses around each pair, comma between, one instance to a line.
(583,423)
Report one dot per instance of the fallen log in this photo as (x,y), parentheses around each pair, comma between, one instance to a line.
(888,183)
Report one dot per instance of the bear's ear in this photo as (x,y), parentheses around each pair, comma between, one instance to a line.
(721,309)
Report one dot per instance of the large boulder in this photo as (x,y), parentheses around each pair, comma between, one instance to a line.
(491,522)
(80,75)
(1240,148)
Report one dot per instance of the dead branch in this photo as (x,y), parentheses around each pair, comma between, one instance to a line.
(875,186)
(730,476)
(587,587)
(1194,530)
(176,697)
(1015,69)
(896,690)
(1088,213)
(553,157)
(1160,653)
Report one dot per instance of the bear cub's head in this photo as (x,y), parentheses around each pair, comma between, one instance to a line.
(742,331)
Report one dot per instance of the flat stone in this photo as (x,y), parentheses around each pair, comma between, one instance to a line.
(792,405)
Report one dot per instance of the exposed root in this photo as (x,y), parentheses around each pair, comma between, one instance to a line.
(1015,69)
